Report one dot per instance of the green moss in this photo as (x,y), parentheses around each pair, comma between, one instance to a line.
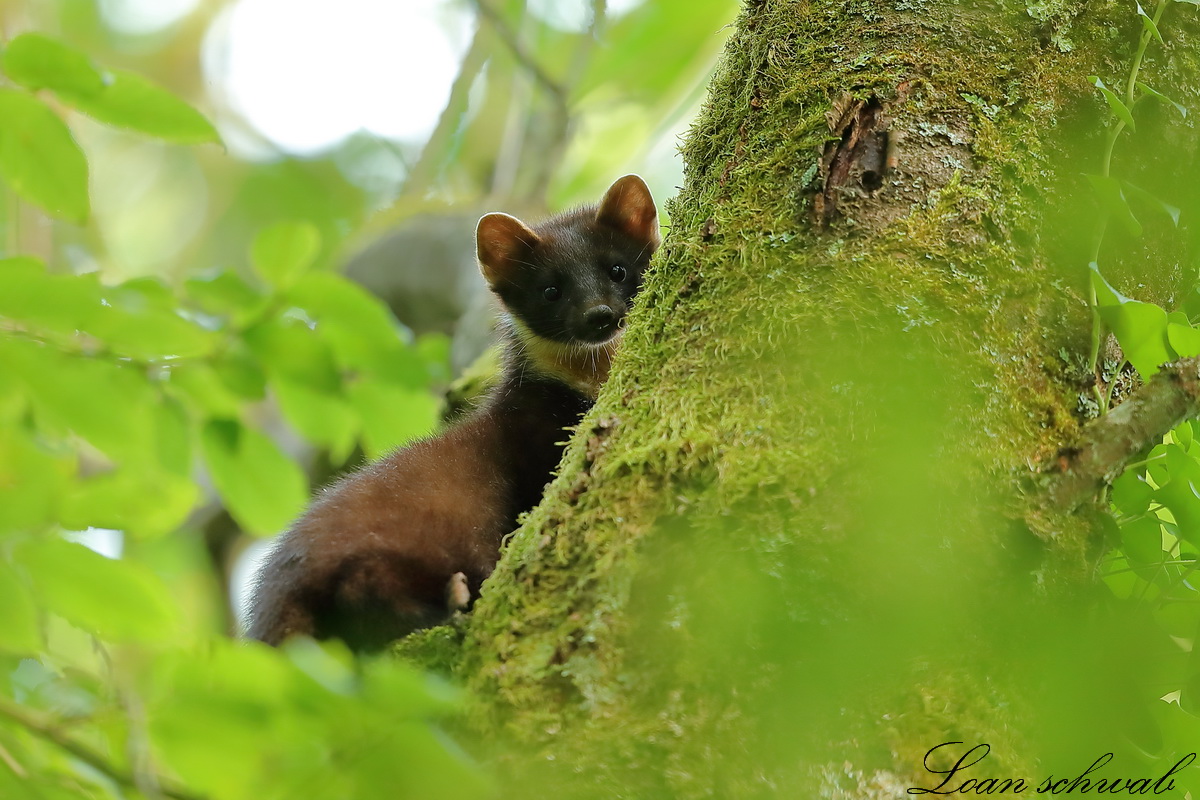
(434,650)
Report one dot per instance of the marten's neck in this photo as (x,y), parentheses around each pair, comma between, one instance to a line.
(581,366)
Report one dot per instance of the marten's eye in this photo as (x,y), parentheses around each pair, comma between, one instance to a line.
(550,293)
(617,273)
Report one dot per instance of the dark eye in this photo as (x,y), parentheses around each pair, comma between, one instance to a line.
(617,273)
(550,293)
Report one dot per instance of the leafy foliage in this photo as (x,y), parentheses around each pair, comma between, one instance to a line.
(1156,502)
(124,405)
(39,159)
(114,97)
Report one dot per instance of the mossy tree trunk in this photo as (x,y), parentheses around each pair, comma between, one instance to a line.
(799,542)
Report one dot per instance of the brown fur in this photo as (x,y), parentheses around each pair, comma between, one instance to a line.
(343,570)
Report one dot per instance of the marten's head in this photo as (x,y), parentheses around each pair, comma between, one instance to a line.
(571,278)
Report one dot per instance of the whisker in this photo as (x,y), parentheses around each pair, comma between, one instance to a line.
(643,250)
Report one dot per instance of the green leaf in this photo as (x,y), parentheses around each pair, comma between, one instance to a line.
(1156,467)
(139,320)
(682,59)
(242,687)
(1181,494)
(434,349)
(1189,695)
(1163,99)
(392,415)
(1119,578)
(172,436)
(39,62)
(104,402)
(230,699)
(1141,328)
(1148,24)
(31,482)
(240,373)
(130,101)
(119,98)
(328,297)
(226,294)
(1114,102)
(19,633)
(282,252)
(1141,540)
(143,504)
(1131,495)
(39,159)
(323,418)
(289,714)
(1112,199)
(330,665)
(263,488)
(360,329)
(290,348)
(1184,339)
(201,388)
(1183,435)
(13,402)
(61,304)
(115,600)
(394,684)
(1165,208)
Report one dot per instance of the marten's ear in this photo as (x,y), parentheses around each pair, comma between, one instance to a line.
(628,207)
(502,242)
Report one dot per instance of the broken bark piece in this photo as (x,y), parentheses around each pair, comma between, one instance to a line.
(859,159)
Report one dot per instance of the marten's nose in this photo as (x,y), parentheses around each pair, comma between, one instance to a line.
(600,317)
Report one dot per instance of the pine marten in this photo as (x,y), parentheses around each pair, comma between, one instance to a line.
(406,541)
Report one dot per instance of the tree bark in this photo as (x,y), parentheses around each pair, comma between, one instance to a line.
(798,543)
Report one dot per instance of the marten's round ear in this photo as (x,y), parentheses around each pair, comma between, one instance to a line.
(628,207)
(501,242)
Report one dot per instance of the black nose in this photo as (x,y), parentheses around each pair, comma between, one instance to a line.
(600,317)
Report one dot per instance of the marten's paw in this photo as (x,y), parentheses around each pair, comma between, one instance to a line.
(458,594)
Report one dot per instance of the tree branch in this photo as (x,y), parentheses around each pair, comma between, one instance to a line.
(1107,444)
(429,162)
(48,730)
(563,127)
(507,35)
(13,764)
(560,125)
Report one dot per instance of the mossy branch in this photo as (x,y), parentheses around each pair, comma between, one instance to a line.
(1107,444)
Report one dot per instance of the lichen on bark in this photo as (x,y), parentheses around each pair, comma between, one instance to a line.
(790,534)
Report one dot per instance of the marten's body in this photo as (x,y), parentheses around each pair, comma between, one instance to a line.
(353,566)
(405,541)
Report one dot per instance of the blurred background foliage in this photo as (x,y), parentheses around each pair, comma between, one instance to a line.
(236,257)
(221,287)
